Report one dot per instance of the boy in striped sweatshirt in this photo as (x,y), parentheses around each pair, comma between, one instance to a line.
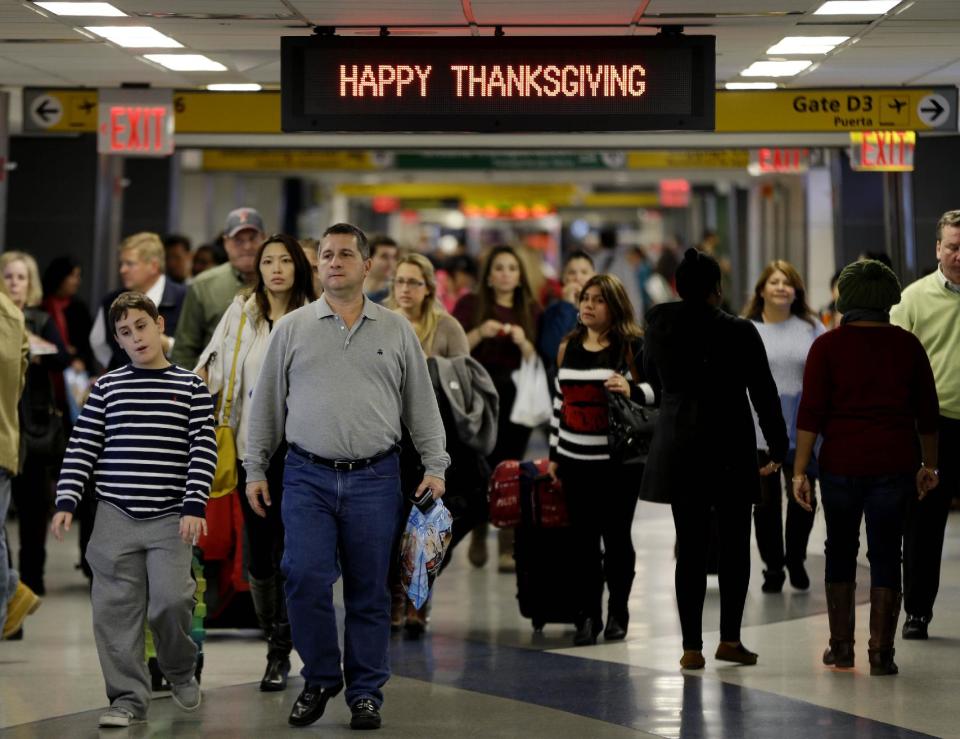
(146,437)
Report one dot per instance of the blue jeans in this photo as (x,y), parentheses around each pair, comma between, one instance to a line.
(881,499)
(8,576)
(341,523)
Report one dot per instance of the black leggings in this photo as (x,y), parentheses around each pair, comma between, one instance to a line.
(264,535)
(692,520)
(768,519)
(33,496)
(601,502)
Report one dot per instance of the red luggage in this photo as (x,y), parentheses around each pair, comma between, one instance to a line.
(523,494)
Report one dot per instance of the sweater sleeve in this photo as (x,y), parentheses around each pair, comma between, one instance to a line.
(83,451)
(188,340)
(925,401)
(456,338)
(764,394)
(816,391)
(203,453)
(420,411)
(267,408)
(555,421)
(641,391)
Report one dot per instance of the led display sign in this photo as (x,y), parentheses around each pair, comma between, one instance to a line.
(499,84)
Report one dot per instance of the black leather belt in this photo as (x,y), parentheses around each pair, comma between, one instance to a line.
(345,465)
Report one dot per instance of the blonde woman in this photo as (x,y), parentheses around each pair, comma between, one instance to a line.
(41,420)
(413,295)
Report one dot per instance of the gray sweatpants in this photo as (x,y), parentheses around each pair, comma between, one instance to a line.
(140,568)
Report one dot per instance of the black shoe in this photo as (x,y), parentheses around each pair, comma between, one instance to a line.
(616,629)
(773,581)
(915,627)
(364,715)
(799,578)
(310,704)
(275,676)
(587,633)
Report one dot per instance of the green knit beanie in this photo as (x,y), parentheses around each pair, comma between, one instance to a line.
(867,284)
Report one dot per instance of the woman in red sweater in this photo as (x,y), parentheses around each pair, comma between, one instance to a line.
(867,390)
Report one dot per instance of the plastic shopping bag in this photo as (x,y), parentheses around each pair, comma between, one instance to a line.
(533,406)
(77,384)
(422,548)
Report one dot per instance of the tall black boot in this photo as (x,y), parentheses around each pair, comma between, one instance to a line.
(884,612)
(278,659)
(841,610)
(264,594)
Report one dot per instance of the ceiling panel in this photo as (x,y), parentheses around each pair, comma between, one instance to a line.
(932,10)
(380,12)
(233,7)
(666,7)
(554,11)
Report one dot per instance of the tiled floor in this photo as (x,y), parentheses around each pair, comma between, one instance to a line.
(482,672)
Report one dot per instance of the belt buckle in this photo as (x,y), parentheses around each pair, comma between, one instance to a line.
(343,464)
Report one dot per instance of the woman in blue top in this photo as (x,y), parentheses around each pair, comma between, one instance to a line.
(788,328)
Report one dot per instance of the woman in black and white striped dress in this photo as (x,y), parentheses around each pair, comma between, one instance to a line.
(595,359)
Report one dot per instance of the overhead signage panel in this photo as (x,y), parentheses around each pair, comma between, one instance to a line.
(513,84)
(832,110)
(882,151)
(135,122)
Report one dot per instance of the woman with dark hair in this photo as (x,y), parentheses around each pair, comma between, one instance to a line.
(869,391)
(61,283)
(501,322)
(703,363)
(788,327)
(284,284)
(595,359)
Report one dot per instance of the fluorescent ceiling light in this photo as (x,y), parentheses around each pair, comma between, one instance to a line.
(807,44)
(235,87)
(186,62)
(856,7)
(135,37)
(776,69)
(751,85)
(86,9)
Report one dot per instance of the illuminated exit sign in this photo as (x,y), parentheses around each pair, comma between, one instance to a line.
(498,84)
(882,151)
(779,160)
(134,122)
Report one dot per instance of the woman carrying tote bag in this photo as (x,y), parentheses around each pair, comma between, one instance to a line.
(237,348)
(601,499)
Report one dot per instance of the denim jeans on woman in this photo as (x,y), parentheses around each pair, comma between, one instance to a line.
(881,499)
(8,576)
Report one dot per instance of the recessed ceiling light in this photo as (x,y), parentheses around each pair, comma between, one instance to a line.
(135,37)
(856,7)
(776,69)
(86,9)
(235,87)
(751,86)
(186,62)
(807,44)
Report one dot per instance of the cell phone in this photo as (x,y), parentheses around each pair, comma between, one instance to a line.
(426,501)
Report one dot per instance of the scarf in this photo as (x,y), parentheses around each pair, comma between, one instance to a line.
(57,307)
(866,314)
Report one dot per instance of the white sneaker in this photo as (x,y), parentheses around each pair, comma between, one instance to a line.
(187,695)
(118,717)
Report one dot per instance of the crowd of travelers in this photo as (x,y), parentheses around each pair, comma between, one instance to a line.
(112,416)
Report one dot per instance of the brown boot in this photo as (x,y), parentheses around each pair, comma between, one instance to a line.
(841,610)
(884,612)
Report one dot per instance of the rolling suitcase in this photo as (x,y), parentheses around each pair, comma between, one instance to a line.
(545,563)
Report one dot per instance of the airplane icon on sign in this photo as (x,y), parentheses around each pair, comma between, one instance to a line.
(86,106)
(897,104)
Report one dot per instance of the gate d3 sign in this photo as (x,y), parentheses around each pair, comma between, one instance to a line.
(483,84)
(135,122)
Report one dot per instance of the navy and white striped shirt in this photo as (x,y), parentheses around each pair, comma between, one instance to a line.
(147,437)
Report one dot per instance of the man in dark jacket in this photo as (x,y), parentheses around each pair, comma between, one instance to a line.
(703,456)
(142,264)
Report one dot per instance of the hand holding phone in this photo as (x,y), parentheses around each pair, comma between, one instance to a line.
(425,502)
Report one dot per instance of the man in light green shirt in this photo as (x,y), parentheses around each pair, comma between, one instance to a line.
(930,309)
(211,293)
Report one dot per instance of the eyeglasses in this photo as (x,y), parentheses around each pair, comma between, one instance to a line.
(409,283)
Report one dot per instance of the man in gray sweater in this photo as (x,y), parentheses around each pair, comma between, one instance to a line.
(340,375)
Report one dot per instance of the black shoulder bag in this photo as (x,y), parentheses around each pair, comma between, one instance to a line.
(631,425)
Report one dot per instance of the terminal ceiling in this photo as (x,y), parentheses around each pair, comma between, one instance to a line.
(913,44)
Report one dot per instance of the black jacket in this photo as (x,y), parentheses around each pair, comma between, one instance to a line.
(705,362)
(170,305)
